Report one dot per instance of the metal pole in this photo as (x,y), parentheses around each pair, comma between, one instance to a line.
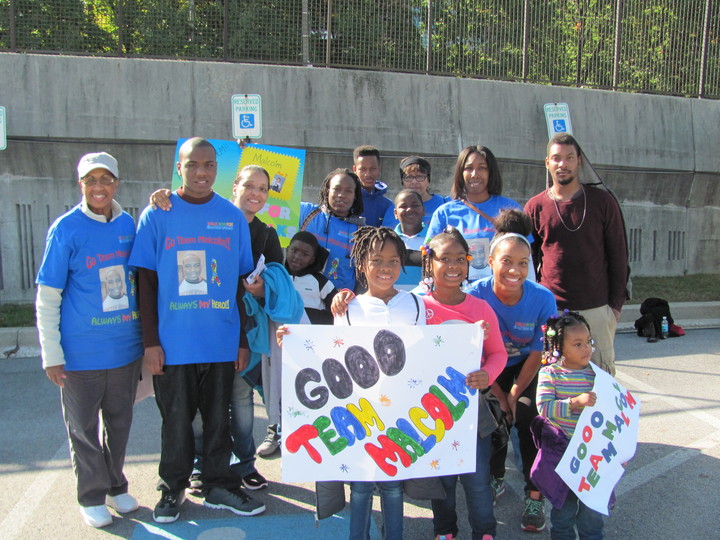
(226,28)
(428,56)
(703,59)
(526,40)
(11,16)
(618,29)
(328,26)
(120,23)
(305,22)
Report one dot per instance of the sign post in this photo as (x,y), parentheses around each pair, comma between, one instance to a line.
(557,117)
(247,116)
(3,129)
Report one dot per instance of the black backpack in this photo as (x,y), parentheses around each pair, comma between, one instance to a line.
(652,311)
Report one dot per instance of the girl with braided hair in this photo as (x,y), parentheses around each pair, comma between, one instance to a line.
(564,389)
(378,255)
(446,262)
(333,221)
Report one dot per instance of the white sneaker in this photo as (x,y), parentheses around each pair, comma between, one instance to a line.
(122,503)
(96,516)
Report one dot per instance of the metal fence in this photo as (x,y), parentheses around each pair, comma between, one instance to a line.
(659,46)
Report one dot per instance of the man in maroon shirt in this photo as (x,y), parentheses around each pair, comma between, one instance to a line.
(580,248)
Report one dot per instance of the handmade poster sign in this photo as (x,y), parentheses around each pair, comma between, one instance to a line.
(369,403)
(605,437)
(285,167)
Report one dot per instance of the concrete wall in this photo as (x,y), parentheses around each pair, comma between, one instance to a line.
(658,153)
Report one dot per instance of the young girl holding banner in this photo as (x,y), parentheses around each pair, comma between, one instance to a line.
(564,390)
(446,261)
(377,255)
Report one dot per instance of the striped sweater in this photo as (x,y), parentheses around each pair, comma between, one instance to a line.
(556,385)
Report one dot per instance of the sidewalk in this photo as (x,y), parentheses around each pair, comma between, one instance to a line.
(23,342)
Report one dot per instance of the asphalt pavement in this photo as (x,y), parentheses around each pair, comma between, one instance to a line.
(669,489)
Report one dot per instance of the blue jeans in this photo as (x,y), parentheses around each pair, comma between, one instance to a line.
(478,496)
(242,415)
(391,502)
(573,514)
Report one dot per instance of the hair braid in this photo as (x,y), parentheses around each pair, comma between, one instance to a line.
(554,334)
(367,238)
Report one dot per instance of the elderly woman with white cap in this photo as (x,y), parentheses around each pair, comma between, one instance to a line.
(91,347)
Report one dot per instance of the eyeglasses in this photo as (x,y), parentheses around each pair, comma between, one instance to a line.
(416,179)
(105,180)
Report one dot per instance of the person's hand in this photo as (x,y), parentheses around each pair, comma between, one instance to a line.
(161,199)
(282,330)
(242,360)
(478,379)
(617,314)
(587,399)
(340,302)
(485,327)
(155,359)
(256,288)
(56,374)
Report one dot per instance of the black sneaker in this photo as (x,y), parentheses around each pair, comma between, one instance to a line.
(196,484)
(533,518)
(167,509)
(254,481)
(234,500)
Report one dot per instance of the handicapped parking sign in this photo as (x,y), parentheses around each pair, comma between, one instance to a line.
(247,116)
(557,117)
(247,121)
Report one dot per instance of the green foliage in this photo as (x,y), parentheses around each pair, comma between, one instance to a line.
(569,42)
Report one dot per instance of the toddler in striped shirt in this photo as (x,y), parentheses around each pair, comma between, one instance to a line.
(564,389)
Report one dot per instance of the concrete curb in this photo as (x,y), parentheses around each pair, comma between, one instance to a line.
(689,315)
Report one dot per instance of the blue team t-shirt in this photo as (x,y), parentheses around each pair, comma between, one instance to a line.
(334,234)
(476,230)
(88,260)
(520,324)
(199,251)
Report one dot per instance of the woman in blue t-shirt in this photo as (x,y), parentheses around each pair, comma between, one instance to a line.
(477,200)
(522,307)
(89,330)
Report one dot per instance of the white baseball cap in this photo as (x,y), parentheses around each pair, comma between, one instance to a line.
(98,160)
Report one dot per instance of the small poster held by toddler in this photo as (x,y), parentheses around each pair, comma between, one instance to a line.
(605,437)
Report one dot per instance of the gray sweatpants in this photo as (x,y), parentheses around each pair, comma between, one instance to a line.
(98,409)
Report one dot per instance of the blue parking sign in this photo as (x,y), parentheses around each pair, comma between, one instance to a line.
(559,126)
(247,121)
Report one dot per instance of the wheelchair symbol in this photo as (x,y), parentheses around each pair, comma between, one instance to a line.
(247,121)
(559,126)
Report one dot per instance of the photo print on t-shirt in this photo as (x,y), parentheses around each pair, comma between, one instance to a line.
(192,272)
(479,248)
(114,290)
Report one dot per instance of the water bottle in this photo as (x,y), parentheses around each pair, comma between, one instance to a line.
(665,328)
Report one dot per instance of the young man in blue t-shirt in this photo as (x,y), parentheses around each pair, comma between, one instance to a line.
(192,336)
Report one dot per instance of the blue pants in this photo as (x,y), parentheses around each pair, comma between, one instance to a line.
(478,496)
(391,502)
(573,514)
